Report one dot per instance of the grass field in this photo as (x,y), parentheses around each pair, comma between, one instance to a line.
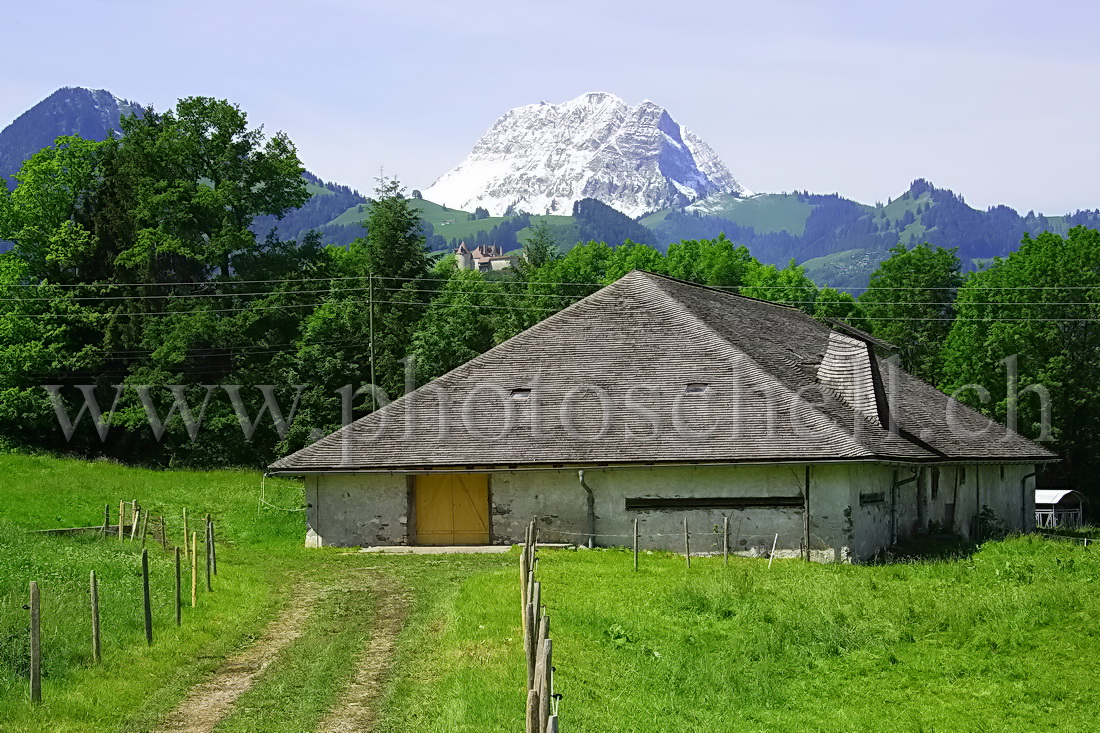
(1004,640)
(1007,638)
(771,212)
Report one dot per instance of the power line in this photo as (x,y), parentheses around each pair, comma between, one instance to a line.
(222,283)
(83,298)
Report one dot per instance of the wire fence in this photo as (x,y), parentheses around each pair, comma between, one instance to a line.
(1084,541)
(123,599)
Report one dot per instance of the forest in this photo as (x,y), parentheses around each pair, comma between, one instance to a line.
(138,303)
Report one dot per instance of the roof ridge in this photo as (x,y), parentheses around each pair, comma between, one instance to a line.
(715,289)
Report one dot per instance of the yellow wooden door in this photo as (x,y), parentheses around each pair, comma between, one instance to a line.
(470,509)
(452,509)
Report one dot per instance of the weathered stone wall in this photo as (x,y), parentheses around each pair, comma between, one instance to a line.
(855,508)
(357,509)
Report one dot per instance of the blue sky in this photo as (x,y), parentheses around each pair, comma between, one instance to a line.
(997,100)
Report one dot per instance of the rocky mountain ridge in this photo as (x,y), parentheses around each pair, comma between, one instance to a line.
(543,158)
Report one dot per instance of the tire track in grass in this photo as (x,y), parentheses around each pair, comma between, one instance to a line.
(357,709)
(212,700)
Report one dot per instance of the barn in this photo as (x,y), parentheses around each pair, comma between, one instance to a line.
(671,404)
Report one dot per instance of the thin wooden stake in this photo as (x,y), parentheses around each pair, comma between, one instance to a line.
(121,518)
(772,555)
(209,556)
(106,518)
(96,648)
(144,527)
(687,544)
(186,534)
(178,604)
(213,549)
(36,645)
(635,544)
(726,540)
(147,598)
(134,524)
(194,569)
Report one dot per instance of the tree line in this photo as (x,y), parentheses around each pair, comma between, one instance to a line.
(136,265)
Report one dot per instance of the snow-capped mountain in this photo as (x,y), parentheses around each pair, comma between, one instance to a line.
(542,158)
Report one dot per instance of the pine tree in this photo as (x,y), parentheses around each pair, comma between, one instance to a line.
(397,260)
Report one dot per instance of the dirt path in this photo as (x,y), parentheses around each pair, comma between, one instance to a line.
(213,699)
(357,710)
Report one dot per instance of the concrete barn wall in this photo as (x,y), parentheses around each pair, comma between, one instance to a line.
(943,505)
(356,509)
(853,506)
(371,509)
(559,501)
(870,508)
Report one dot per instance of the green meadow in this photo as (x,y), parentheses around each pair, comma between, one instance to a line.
(1001,637)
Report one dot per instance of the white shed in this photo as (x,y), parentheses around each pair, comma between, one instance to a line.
(1058,508)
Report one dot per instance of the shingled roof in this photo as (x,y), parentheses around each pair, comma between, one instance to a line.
(654,370)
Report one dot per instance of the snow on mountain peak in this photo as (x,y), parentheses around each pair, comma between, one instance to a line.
(542,158)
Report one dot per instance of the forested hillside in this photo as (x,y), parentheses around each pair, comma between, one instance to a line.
(841,242)
(92,114)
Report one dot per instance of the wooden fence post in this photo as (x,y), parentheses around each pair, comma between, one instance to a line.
(635,544)
(552,724)
(771,556)
(121,518)
(144,527)
(687,544)
(194,569)
(213,549)
(134,527)
(96,648)
(530,641)
(146,598)
(523,587)
(186,534)
(106,519)
(544,684)
(726,540)
(178,604)
(163,535)
(36,645)
(532,711)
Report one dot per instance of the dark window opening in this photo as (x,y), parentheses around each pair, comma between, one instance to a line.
(521,394)
(935,482)
(695,388)
(712,502)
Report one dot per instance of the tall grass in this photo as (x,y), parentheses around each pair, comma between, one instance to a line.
(1002,640)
